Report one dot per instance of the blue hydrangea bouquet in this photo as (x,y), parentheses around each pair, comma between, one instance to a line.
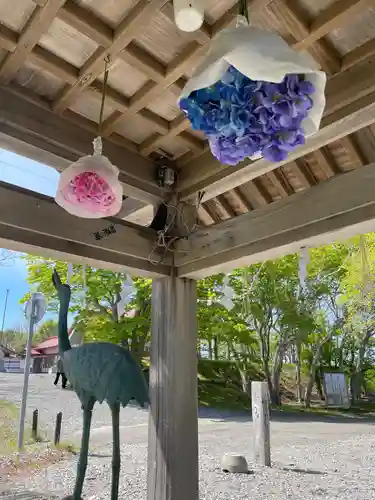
(254,96)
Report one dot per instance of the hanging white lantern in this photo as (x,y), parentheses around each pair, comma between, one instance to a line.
(90,188)
(228,294)
(188,14)
(253,95)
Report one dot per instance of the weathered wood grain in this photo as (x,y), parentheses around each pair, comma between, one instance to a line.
(173,425)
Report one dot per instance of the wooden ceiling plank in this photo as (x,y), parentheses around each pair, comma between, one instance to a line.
(291,16)
(53,64)
(38,24)
(278,182)
(351,147)
(205,215)
(176,127)
(335,16)
(202,35)
(358,55)
(210,209)
(326,163)
(226,206)
(177,68)
(88,24)
(283,227)
(136,172)
(41,215)
(129,28)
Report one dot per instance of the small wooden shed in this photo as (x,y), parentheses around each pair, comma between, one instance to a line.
(52,56)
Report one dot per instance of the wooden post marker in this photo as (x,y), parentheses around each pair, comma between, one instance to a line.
(261,423)
(58,428)
(34,429)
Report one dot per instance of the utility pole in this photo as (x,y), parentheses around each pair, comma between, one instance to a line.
(4,315)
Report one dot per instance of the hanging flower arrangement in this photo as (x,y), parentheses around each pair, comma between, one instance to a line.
(254,96)
(90,188)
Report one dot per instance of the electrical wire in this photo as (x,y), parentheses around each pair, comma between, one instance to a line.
(162,242)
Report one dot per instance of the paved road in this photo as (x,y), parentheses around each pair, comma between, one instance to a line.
(332,459)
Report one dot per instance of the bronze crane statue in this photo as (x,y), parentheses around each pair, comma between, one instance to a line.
(98,372)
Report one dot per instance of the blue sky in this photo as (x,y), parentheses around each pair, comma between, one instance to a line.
(36,177)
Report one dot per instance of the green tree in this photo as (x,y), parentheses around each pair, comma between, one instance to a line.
(47,329)
(96,308)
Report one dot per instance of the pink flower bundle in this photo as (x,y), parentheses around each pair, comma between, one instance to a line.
(90,188)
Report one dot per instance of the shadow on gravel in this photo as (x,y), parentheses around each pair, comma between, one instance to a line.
(305,471)
(16,494)
(283,416)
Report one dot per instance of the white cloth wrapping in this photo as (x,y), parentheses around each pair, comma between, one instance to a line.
(260,55)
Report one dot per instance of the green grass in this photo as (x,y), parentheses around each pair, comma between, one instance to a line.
(9,415)
(214,395)
(362,409)
(8,427)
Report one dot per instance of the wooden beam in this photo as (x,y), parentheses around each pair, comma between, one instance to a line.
(208,175)
(351,147)
(173,421)
(129,206)
(326,162)
(338,14)
(292,18)
(276,178)
(41,216)
(190,56)
(129,28)
(29,119)
(88,24)
(38,23)
(338,203)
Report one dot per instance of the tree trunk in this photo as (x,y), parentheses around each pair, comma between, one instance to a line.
(216,349)
(245,382)
(318,383)
(298,372)
(209,349)
(276,371)
(356,381)
(312,372)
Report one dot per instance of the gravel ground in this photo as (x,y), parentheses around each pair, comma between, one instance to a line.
(312,457)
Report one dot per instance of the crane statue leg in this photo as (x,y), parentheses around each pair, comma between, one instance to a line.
(116,459)
(82,462)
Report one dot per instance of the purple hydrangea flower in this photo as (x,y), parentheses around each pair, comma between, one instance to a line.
(242,117)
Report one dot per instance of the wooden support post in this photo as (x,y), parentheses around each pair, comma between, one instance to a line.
(261,423)
(34,428)
(58,428)
(173,429)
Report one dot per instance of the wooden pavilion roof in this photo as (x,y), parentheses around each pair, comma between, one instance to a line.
(51,69)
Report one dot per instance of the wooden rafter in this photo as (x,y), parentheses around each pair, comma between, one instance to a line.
(175,70)
(49,62)
(130,27)
(25,119)
(310,217)
(351,147)
(334,16)
(288,13)
(326,162)
(277,180)
(38,220)
(39,22)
